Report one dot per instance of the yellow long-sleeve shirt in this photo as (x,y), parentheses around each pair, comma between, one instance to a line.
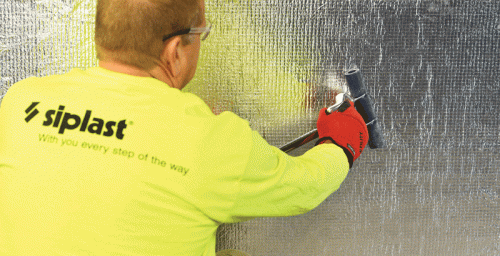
(96,162)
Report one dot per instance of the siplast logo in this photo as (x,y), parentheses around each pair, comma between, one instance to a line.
(67,121)
(30,109)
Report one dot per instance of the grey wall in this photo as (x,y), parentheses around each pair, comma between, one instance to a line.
(432,67)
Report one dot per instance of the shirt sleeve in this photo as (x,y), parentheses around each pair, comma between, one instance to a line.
(276,184)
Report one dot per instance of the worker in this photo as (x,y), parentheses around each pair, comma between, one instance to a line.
(118,160)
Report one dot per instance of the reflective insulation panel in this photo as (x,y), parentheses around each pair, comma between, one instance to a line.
(431,66)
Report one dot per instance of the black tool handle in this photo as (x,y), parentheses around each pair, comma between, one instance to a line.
(312,135)
(364,105)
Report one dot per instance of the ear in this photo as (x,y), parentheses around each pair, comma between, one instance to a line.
(171,56)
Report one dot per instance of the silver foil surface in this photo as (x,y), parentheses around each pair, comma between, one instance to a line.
(431,66)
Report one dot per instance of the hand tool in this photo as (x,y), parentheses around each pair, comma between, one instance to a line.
(363,104)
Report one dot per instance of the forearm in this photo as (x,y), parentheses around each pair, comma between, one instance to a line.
(276,184)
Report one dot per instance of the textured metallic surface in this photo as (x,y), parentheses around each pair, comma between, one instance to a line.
(432,67)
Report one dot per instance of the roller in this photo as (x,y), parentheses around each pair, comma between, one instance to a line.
(363,104)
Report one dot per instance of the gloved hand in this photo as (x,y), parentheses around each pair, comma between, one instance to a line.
(344,127)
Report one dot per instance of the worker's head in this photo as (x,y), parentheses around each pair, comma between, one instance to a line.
(133,32)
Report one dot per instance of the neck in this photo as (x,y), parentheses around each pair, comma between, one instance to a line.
(156,72)
(124,68)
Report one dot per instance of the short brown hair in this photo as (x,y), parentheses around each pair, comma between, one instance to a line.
(131,31)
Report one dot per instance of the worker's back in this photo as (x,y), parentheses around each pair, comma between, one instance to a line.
(96,162)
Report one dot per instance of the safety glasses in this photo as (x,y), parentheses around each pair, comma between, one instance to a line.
(204,32)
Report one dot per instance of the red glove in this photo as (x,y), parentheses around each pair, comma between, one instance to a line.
(344,127)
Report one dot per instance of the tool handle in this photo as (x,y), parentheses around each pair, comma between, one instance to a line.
(339,99)
(300,141)
(364,105)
